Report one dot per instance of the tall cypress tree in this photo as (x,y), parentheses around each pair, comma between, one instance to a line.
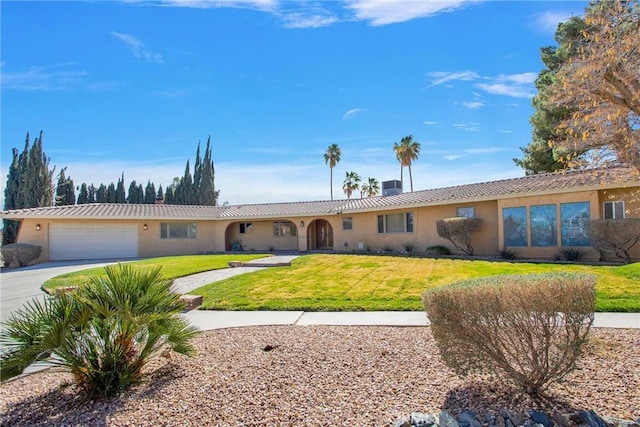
(207,194)
(150,193)
(65,194)
(29,183)
(83,194)
(91,193)
(102,194)
(111,193)
(121,196)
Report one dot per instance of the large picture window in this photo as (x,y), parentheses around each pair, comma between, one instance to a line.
(284,229)
(575,219)
(396,223)
(544,225)
(178,230)
(514,226)
(466,212)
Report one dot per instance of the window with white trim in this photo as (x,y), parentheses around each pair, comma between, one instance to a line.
(178,230)
(395,223)
(613,210)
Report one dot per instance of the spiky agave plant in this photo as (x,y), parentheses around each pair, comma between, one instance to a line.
(104,333)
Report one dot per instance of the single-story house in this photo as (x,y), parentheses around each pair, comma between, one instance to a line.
(536,216)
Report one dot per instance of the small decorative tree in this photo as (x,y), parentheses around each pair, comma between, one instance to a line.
(615,235)
(458,231)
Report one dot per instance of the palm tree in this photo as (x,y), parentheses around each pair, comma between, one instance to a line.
(406,152)
(351,183)
(332,158)
(103,333)
(370,188)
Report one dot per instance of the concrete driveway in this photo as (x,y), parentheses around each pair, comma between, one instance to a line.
(19,285)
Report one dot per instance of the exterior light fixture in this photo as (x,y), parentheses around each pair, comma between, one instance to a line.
(301,223)
(38,227)
(144,227)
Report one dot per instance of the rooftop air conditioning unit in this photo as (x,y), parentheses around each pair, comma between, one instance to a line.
(391,188)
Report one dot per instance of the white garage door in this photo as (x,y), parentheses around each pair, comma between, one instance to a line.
(92,241)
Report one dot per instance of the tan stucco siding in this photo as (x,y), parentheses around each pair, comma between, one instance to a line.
(260,236)
(150,243)
(30,235)
(424,234)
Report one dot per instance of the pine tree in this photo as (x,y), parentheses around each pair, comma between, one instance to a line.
(160,195)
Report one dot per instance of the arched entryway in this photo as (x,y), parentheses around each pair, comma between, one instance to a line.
(320,235)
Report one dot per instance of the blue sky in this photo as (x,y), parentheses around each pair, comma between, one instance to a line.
(133,86)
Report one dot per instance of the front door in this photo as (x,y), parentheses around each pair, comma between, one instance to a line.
(323,233)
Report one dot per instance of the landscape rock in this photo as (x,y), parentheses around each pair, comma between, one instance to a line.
(469,418)
(418,419)
(446,420)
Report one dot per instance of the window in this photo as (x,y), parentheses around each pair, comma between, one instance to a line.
(467,212)
(574,224)
(178,230)
(284,229)
(613,210)
(246,227)
(396,223)
(514,226)
(544,225)
(347,223)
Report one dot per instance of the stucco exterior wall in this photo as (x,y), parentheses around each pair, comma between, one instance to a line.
(30,235)
(260,236)
(365,229)
(150,244)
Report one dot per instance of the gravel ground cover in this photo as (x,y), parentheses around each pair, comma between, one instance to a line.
(320,375)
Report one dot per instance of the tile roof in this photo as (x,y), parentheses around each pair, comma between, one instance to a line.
(550,183)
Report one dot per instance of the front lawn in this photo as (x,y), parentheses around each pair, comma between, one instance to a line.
(370,283)
(172,267)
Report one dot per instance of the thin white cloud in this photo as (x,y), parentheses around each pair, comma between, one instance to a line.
(440,77)
(474,104)
(505,89)
(42,78)
(519,85)
(171,93)
(266,5)
(137,47)
(454,156)
(484,150)
(303,20)
(548,21)
(514,85)
(505,131)
(354,111)
(430,123)
(469,127)
(384,12)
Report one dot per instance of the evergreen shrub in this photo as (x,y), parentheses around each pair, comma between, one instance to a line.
(529,329)
(438,250)
(20,253)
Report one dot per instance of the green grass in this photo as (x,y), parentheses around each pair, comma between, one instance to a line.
(369,283)
(172,267)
